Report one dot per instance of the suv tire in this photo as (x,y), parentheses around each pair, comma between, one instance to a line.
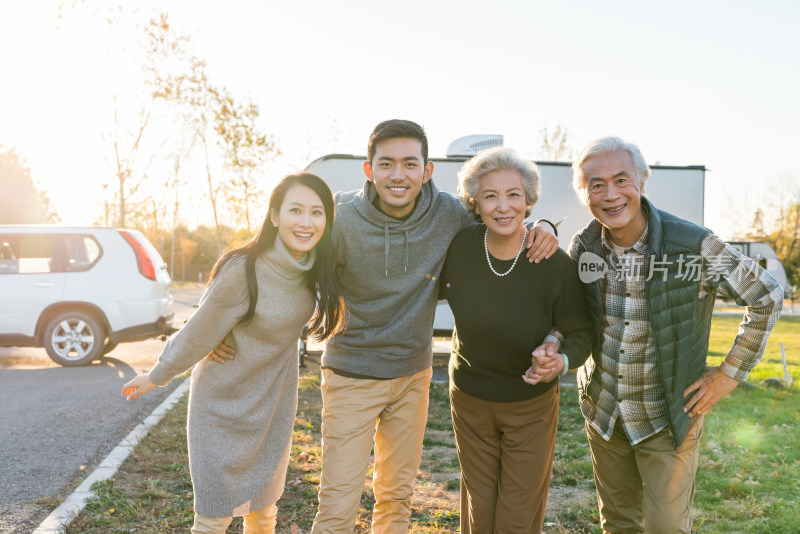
(109,346)
(74,338)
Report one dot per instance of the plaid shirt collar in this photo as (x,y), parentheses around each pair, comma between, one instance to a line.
(641,246)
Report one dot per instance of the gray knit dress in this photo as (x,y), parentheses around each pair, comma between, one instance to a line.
(241,413)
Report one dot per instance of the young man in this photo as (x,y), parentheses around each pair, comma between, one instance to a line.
(646,388)
(390,240)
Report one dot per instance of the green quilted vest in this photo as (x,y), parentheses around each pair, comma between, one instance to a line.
(679,319)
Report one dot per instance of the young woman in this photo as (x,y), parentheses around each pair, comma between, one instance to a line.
(504,409)
(258,300)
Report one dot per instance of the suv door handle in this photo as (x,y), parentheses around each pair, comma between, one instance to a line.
(44,284)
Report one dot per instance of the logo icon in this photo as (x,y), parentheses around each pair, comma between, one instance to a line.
(591,267)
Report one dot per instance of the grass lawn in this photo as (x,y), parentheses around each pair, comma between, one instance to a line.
(748,480)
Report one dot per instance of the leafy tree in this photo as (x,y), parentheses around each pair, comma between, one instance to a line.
(216,120)
(187,249)
(246,151)
(205,238)
(206,112)
(777,223)
(21,201)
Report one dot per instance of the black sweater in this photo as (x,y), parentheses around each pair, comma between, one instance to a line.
(500,320)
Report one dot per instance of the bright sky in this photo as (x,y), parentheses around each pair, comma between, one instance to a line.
(713,83)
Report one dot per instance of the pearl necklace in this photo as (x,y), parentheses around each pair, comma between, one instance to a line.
(489,261)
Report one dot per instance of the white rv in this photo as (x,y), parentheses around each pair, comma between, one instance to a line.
(767,258)
(678,190)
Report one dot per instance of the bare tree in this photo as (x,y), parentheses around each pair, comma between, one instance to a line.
(196,100)
(126,147)
(555,144)
(134,141)
(182,115)
(213,192)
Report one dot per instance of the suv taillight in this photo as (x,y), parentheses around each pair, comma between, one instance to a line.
(143,261)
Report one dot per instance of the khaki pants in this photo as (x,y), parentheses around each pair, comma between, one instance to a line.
(258,522)
(647,487)
(354,411)
(506,454)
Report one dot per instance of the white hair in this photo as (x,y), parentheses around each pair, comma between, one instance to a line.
(607,145)
(495,159)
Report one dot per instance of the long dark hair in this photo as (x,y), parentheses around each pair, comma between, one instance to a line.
(320,279)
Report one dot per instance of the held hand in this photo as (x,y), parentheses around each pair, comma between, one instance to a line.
(221,353)
(711,387)
(545,349)
(138,386)
(541,243)
(546,365)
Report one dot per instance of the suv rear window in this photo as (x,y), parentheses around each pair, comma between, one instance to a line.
(82,252)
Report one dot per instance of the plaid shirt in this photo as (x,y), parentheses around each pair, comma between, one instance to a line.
(627,382)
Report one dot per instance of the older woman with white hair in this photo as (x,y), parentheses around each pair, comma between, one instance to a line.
(504,409)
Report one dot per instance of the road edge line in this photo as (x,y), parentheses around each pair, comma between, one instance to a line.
(72,506)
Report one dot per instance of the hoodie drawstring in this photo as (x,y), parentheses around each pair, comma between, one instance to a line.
(386,245)
(386,248)
(405,258)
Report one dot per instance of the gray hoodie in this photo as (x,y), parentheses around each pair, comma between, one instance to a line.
(389,272)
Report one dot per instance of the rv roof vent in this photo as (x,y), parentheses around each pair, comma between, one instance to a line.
(472,144)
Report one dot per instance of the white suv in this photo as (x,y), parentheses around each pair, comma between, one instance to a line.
(78,292)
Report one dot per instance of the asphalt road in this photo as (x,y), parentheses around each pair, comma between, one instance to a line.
(58,423)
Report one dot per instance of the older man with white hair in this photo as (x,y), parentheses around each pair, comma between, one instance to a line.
(646,388)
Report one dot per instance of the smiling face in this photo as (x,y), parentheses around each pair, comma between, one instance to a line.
(614,195)
(501,202)
(300,220)
(398,171)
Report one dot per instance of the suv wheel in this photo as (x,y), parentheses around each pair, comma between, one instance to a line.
(74,338)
